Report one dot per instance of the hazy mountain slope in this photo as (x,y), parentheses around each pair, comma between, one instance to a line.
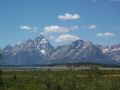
(40,51)
(29,52)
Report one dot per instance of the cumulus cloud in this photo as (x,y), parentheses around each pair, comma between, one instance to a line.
(69,16)
(106,34)
(67,38)
(55,28)
(93,26)
(25,27)
(29,28)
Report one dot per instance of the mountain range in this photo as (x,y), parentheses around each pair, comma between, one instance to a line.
(40,51)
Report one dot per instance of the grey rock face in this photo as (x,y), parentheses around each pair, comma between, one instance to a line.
(40,51)
(29,52)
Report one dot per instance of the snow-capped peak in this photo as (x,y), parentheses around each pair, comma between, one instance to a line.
(43,51)
(106,49)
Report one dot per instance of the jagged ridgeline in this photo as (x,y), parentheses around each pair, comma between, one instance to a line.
(1,79)
(40,51)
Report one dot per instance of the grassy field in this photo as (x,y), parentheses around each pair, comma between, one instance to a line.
(94,79)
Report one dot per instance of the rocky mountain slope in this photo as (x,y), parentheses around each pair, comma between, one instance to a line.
(40,51)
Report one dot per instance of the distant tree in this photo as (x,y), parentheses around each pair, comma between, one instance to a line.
(14,77)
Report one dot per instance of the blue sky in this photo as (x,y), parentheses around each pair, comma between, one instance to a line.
(62,21)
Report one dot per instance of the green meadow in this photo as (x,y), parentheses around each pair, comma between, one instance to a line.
(93,79)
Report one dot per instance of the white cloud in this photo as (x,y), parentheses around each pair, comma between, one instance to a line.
(67,38)
(28,28)
(69,16)
(93,26)
(106,34)
(55,28)
(25,27)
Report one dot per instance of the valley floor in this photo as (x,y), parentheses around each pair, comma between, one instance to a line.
(93,79)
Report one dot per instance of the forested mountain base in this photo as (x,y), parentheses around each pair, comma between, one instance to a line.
(62,80)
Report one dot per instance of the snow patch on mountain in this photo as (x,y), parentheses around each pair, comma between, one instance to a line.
(40,51)
(43,51)
(106,49)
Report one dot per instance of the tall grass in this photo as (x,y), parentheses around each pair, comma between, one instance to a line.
(93,79)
